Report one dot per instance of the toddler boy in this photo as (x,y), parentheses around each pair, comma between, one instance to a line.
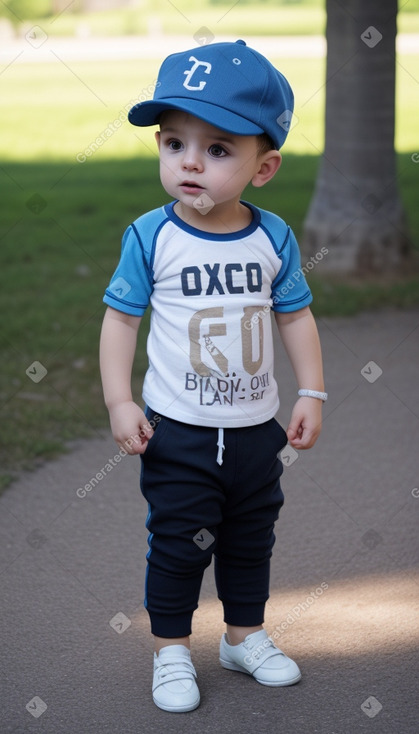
(212,267)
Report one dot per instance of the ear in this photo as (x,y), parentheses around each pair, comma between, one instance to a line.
(157,137)
(269,165)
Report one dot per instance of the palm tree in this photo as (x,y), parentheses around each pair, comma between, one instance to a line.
(356,210)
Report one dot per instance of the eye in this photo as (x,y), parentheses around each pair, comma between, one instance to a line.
(174,145)
(217,151)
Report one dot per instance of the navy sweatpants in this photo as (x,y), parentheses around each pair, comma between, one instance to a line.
(199,509)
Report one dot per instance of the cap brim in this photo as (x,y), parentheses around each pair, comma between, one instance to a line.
(148,113)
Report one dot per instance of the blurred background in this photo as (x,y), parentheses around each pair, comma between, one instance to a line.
(74,174)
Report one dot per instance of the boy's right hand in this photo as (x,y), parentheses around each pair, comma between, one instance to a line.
(130,428)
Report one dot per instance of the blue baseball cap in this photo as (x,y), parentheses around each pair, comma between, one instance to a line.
(229,85)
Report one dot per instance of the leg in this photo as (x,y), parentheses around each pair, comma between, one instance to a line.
(160,642)
(183,499)
(244,549)
(236,635)
(246,535)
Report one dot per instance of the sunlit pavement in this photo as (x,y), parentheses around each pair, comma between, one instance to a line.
(76,647)
(37,45)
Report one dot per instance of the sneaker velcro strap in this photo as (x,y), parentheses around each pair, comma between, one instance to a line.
(178,669)
(258,654)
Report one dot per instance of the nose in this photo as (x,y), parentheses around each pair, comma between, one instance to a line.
(192,160)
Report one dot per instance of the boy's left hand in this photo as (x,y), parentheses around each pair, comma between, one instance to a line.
(306,423)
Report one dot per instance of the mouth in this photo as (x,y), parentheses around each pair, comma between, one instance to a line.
(191,186)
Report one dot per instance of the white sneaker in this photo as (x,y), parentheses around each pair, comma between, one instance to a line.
(174,684)
(258,656)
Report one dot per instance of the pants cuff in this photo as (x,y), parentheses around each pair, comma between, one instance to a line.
(170,625)
(240,615)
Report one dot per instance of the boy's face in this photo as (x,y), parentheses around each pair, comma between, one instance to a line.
(198,160)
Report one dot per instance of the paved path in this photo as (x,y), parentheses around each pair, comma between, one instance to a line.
(38,46)
(76,648)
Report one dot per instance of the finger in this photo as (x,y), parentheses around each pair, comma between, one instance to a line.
(141,442)
(306,440)
(132,445)
(293,429)
(146,433)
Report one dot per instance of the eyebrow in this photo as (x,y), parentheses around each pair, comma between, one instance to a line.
(223,139)
(217,138)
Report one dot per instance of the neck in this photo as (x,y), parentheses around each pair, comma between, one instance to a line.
(222,218)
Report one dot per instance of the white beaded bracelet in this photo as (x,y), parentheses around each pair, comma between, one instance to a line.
(313,394)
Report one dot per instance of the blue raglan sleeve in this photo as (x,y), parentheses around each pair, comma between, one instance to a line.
(131,285)
(290,291)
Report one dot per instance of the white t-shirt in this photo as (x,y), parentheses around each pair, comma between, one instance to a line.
(210,346)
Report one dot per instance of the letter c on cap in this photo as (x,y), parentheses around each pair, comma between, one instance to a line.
(190,72)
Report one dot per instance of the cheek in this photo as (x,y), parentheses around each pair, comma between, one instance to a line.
(164,171)
(166,177)
(235,175)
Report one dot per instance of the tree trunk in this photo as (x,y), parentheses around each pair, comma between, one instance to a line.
(356,210)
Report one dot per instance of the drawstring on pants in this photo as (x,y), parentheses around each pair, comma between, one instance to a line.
(221,447)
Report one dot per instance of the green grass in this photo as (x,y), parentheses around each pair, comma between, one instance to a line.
(59,249)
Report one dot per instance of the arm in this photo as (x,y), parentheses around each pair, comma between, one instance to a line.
(299,335)
(118,340)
